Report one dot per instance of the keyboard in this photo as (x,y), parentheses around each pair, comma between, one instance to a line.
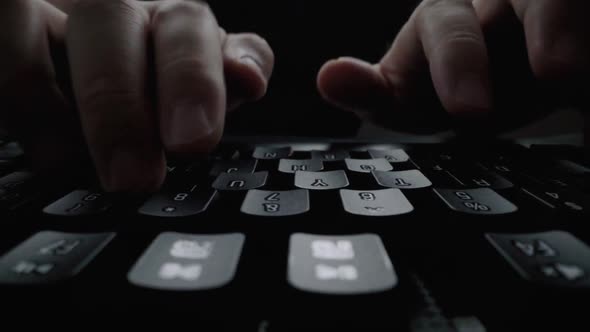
(343,236)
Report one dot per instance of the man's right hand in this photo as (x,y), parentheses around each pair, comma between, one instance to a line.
(128,80)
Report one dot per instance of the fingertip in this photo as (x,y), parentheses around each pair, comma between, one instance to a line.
(351,84)
(248,66)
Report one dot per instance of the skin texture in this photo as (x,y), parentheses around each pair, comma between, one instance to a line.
(484,65)
(125,82)
(87,72)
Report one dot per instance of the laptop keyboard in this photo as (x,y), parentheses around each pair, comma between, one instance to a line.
(279,237)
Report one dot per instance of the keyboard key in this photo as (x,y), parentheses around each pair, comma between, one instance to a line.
(481,178)
(331,155)
(276,203)
(553,258)
(15,181)
(240,181)
(559,199)
(271,153)
(384,202)
(79,203)
(186,262)
(178,201)
(411,179)
(294,165)
(49,257)
(10,151)
(233,166)
(368,165)
(16,189)
(393,156)
(356,264)
(476,201)
(321,180)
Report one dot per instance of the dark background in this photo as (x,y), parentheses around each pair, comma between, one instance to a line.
(303,35)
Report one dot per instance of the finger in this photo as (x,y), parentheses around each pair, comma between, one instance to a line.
(107,47)
(248,63)
(35,110)
(557,36)
(454,45)
(443,36)
(191,86)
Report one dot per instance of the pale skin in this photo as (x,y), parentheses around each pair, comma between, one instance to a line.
(198,73)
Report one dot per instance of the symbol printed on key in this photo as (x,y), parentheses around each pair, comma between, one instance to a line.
(401,182)
(368,167)
(25,267)
(342,272)
(61,247)
(271,207)
(475,206)
(191,249)
(273,197)
(190,272)
(463,195)
(299,168)
(375,209)
(326,249)
(366,196)
(237,184)
(270,155)
(319,183)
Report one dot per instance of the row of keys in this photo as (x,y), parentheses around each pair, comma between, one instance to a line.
(409,179)
(186,262)
(269,153)
(383,202)
(352,264)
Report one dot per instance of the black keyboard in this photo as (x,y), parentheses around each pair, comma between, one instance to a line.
(304,237)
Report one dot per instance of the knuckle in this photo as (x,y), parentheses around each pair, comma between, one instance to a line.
(101,95)
(172,9)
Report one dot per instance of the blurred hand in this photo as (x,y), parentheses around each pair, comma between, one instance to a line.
(141,78)
(479,66)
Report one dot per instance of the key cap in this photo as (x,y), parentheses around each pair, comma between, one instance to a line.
(480,178)
(49,257)
(186,262)
(294,165)
(330,155)
(15,189)
(393,156)
(11,151)
(178,201)
(233,166)
(411,179)
(271,153)
(554,258)
(384,202)
(276,203)
(476,201)
(321,180)
(368,165)
(355,264)
(240,181)
(558,199)
(79,203)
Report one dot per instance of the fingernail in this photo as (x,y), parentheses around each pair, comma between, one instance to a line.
(251,61)
(188,123)
(473,94)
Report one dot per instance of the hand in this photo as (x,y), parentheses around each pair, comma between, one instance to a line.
(483,66)
(142,78)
